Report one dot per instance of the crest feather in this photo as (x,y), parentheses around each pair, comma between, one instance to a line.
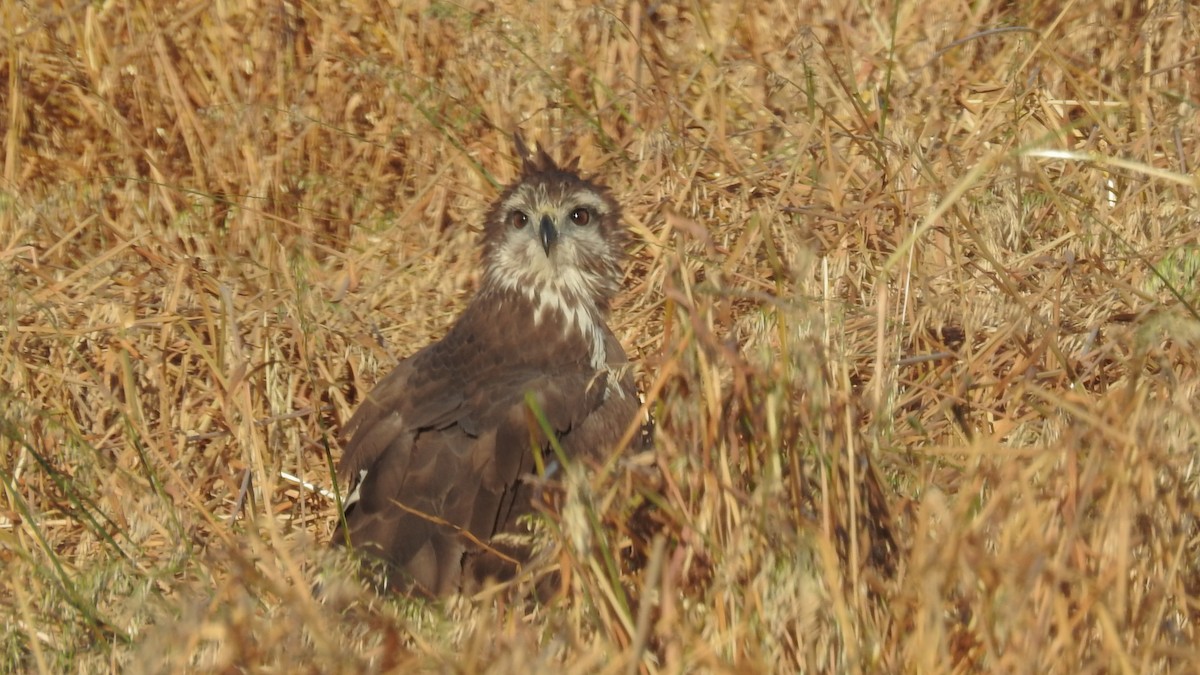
(533,160)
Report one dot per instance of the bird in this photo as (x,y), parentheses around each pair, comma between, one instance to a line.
(442,456)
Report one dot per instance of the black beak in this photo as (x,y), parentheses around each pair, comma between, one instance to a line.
(548,234)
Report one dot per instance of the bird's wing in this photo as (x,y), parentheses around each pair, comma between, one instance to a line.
(422,392)
(443,456)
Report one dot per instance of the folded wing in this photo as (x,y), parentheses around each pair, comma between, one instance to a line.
(439,452)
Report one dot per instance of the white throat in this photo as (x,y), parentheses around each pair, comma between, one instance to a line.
(555,283)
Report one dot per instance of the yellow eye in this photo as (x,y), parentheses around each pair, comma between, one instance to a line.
(581,216)
(517,219)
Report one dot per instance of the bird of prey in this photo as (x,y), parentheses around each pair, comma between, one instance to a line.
(440,455)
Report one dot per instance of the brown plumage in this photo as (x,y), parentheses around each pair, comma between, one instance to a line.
(440,454)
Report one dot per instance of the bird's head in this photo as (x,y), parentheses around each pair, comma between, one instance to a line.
(553,231)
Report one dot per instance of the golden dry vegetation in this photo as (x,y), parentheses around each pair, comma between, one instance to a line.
(960,239)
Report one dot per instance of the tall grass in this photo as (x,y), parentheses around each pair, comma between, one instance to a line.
(936,256)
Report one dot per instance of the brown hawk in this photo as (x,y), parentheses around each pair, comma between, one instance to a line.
(440,454)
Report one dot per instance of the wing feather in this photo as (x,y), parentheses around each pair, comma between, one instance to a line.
(444,444)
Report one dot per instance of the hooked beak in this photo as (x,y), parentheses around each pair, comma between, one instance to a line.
(548,234)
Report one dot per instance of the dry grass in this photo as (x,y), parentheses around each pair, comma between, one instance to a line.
(857,234)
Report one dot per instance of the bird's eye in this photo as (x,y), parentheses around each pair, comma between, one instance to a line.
(517,219)
(581,216)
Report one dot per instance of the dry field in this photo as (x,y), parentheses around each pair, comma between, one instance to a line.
(945,250)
